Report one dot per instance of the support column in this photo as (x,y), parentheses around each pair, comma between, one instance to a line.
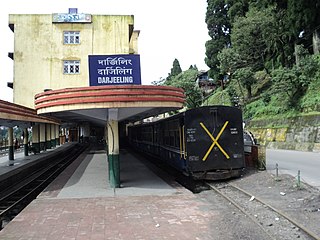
(43,137)
(63,136)
(25,141)
(48,136)
(57,135)
(67,134)
(36,138)
(113,149)
(53,135)
(79,134)
(106,138)
(10,143)
(86,133)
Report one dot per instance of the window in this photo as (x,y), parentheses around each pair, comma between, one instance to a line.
(71,37)
(71,67)
(171,134)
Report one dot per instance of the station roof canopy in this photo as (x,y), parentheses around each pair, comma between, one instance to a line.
(124,103)
(16,115)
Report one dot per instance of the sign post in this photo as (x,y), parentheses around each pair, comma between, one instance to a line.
(114,69)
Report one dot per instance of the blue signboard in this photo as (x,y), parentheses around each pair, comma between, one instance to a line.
(114,69)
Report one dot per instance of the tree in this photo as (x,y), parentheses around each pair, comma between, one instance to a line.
(255,37)
(193,67)
(230,61)
(294,81)
(3,133)
(303,18)
(175,70)
(237,8)
(219,30)
(187,81)
(246,77)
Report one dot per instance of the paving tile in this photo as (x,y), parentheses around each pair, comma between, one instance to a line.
(150,217)
(73,208)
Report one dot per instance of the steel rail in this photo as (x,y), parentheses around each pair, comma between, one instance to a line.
(307,231)
(30,188)
(241,209)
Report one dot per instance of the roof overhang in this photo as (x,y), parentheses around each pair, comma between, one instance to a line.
(12,115)
(124,103)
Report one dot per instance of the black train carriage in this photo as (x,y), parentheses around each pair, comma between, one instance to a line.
(204,143)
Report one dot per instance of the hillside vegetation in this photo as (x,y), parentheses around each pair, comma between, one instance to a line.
(264,55)
(272,96)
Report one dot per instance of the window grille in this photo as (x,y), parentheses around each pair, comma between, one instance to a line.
(71,67)
(71,37)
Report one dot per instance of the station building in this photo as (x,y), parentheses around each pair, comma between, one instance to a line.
(84,71)
(51,50)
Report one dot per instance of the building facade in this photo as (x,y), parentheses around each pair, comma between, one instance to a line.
(51,50)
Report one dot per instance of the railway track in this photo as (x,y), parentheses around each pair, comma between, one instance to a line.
(275,223)
(13,200)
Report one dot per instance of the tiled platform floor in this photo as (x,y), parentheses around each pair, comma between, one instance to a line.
(80,205)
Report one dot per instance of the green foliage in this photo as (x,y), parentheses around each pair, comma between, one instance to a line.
(294,81)
(219,26)
(186,81)
(193,67)
(220,97)
(229,61)
(254,43)
(246,77)
(274,96)
(17,132)
(175,70)
(3,133)
(274,109)
(303,16)
(237,8)
(311,100)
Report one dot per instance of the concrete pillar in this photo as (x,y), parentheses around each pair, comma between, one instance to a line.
(53,136)
(25,141)
(79,134)
(113,148)
(43,137)
(48,136)
(57,135)
(106,138)
(63,136)
(10,143)
(67,134)
(86,132)
(36,138)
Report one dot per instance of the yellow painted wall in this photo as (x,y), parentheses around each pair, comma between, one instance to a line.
(39,51)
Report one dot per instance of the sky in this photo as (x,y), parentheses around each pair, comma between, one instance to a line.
(169,29)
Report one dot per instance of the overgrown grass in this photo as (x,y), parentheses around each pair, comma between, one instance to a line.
(265,104)
(310,102)
(220,97)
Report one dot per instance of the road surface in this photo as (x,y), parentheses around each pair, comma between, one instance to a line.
(290,162)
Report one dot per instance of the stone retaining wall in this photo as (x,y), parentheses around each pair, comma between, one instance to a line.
(299,133)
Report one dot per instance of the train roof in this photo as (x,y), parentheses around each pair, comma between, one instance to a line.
(183,113)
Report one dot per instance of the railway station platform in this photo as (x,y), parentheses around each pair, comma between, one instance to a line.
(80,204)
(21,162)
(20,158)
